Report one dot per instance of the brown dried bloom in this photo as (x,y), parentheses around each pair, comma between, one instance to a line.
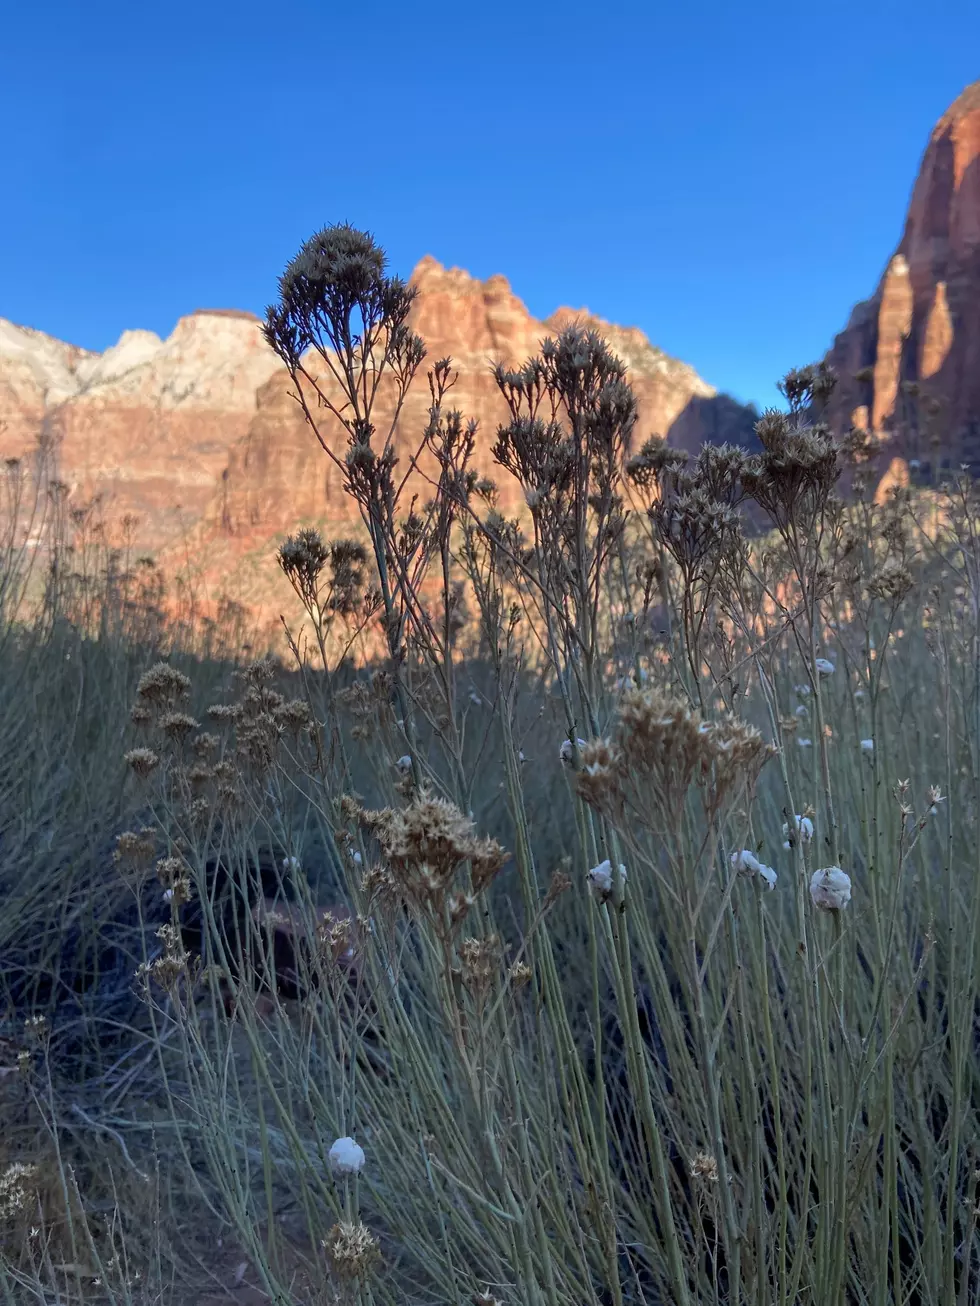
(169,870)
(180,892)
(597,776)
(258,741)
(381,890)
(302,558)
(426,843)
(143,761)
(480,961)
(167,969)
(177,725)
(660,749)
(352,1250)
(705,1167)
(891,582)
(205,744)
(335,938)
(135,849)
(140,714)
(295,714)
(793,477)
(200,811)
(224,712)
(656,458)
(163,684)
(695,512)
(259,672)
(18,1189)
(350,807)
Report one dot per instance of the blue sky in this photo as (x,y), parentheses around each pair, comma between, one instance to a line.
(729,178)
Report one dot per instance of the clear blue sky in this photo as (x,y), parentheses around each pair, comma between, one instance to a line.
(730,178)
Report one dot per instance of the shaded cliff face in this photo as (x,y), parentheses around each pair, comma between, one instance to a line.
(915,344)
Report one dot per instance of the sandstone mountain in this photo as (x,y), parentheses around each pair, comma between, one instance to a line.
(909,358)
(200,437)
(148,423)
(277,473)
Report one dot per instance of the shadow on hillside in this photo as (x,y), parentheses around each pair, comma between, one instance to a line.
(716,420)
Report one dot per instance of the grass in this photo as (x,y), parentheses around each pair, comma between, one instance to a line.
(655,813)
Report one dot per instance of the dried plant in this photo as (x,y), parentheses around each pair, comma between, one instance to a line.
(590,918)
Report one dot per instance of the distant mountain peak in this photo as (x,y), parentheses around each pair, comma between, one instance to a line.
(908,360)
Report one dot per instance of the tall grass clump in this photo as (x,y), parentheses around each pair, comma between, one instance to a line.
(717,1041)
(588,913)
(85,1211)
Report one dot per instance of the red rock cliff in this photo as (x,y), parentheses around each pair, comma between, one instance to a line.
(909,358)
(277,473)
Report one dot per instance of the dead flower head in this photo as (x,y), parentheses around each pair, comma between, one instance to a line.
(163,684)
(352,1250)
(793,477)
(143,761)
(425,844)
(660,748)
(18,1188)
(171,965)
(480,962)
(177,725)
(135,848)
(705,1167)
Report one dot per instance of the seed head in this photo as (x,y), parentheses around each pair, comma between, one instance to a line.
(224,712)
(746,863)
(352,1250)
(163,684)
(18,1188)
(704,1167)
(302,557)
(346,1157)
(830,888)
(891,582)
(598,771)
(143,761)
(480,963)
(177,725)
(167,969)
(36,1027)
(135,848)
(802,831)
(426,843)
(600,879)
